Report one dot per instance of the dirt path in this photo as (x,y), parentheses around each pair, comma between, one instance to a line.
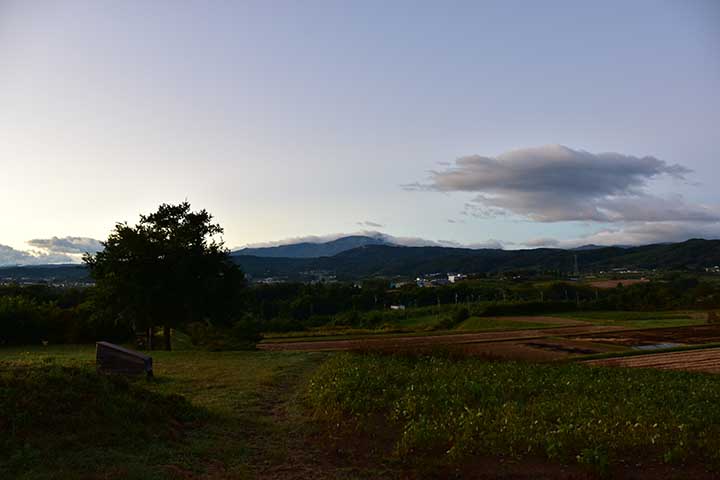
(437,340)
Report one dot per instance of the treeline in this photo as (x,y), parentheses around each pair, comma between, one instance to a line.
(33,314)
(292,307)
(37,313)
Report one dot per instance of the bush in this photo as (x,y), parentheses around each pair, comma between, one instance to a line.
(242,335)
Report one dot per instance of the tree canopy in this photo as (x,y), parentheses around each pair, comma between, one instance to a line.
(170,269)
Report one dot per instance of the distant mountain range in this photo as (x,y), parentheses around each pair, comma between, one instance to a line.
(390,260)
(313,250)
(357,257)
(70,272)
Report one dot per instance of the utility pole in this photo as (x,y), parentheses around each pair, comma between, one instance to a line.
(576,271)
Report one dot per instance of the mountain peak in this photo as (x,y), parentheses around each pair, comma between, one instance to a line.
(314,249)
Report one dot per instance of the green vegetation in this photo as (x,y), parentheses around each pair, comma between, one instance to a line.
(167,270)
(202,415)
(390,261)
(448,408)
(30,315)
(51,409)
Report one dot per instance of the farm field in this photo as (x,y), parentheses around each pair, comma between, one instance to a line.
(425,325)
(282,412)
(285,415)
(418,341)
(705,360)
(559,338)
(438,411)
(688,335)
(614,283)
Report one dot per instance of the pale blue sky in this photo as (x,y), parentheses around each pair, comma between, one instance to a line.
(287,119)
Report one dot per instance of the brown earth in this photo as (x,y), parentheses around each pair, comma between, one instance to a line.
(542,319)
(414,342)
(693,335)
(705,360)
(614,283)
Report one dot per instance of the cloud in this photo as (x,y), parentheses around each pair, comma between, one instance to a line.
(641,233)
(10,256)
(370,224)
(555,183)
(542,242)
(67,245)
(648,233)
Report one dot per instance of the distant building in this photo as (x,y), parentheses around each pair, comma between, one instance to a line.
(456,277)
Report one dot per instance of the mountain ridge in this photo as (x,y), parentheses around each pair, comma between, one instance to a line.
(391,261)
(312,249)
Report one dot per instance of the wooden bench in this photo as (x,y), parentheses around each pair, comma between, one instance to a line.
(111,358)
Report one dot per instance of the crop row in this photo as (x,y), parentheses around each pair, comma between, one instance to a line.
(455,408)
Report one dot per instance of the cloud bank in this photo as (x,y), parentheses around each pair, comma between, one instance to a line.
(49,251)
(555,183)
(11,256)
(70,245)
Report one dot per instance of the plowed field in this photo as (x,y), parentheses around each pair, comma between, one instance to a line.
(705,360)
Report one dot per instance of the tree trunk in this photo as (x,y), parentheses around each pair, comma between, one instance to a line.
(150,338)
(166,335)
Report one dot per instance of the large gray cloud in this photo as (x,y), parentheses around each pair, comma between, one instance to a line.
(555,183)
(12,256)
(67,245)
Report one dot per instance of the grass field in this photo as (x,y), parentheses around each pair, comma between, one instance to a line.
(296,415)
(233,395)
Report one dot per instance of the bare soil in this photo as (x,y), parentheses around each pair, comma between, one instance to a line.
(614,283)
(693,335)
(705,360)
(415,342)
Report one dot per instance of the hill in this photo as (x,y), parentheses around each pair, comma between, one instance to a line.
(384,260)
(313,250)
(45,273)
(389,260)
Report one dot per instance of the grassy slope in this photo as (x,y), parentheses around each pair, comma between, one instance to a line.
(234,389)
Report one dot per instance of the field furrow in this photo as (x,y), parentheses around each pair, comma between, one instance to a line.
(705,360)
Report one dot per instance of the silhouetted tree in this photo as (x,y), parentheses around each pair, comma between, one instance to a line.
(167,270)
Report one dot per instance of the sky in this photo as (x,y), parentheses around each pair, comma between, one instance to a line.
(509,124)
